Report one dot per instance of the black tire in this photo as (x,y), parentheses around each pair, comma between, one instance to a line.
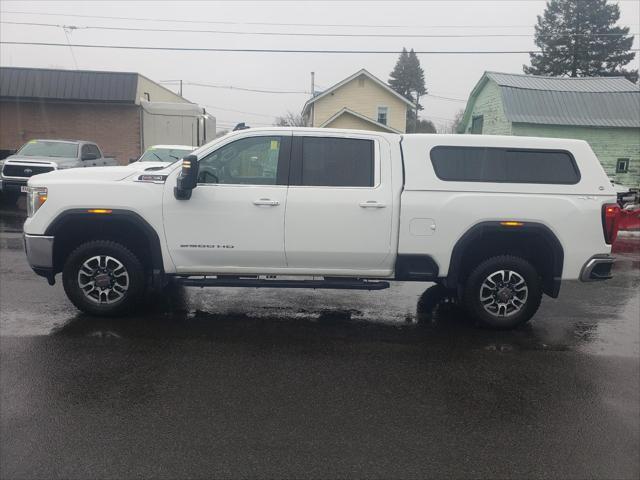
(115,299)
(508,304)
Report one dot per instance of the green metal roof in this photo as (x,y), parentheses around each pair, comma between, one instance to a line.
(563,84)
(591,101)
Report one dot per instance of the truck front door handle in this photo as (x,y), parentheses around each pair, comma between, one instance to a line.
(372,204)
(266,202)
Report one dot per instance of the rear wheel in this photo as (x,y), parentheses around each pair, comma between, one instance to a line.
(103,278)
(503,292)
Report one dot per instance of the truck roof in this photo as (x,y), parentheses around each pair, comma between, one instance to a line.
(458,139)
(60,140)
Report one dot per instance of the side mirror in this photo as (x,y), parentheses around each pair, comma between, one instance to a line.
(131,160)
(188,178)
(89,156)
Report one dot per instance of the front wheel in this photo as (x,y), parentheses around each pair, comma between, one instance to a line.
(103,278)
(503,292)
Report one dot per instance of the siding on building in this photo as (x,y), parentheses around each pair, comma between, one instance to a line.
(115,128)
(364,96)
(609,144)
(347,120)
(157,93)
(489,104)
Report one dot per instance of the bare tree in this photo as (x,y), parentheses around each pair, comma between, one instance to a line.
(290,119)
(457,121)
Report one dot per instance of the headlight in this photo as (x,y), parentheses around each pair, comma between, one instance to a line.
(36,196)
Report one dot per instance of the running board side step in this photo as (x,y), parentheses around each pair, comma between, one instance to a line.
(259,283)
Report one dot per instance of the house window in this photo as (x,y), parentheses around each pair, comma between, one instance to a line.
(622,165)
(382,115)
(476,124)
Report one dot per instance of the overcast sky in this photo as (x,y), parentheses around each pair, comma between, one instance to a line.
(446,75)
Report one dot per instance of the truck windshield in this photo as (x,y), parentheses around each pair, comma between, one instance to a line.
(44,148)
(169,155)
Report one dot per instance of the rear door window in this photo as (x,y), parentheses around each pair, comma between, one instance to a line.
(487,164)
(333,162)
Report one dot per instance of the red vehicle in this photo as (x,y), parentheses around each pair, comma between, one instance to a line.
(629,219)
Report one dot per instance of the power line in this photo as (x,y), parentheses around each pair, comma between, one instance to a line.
(239,111)
(440,97)
(308,34)
(66,35)
(246,89)
(231,87)
(275,50)
(338,25)
(280,24)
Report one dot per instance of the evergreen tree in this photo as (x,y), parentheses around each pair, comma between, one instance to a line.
(399,80)
(407,78)
(425,126)
(579,38)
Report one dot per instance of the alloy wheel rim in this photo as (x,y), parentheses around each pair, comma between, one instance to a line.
(503,293)
(103,279)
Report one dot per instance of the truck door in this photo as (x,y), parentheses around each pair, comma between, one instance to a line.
(234,220)
(339,206)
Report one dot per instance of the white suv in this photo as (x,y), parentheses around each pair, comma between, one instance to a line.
(494,221)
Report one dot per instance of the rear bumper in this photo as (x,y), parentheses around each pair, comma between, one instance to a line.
(597,268)
(39,249)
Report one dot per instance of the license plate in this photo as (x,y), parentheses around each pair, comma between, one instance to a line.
(24,189)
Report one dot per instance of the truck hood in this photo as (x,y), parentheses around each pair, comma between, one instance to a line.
(57,160)
(141,166)
(101,174)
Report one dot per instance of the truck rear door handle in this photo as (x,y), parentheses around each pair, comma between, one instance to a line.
(266,202)
(372,204)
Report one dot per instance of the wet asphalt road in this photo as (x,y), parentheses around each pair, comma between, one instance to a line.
(294,383)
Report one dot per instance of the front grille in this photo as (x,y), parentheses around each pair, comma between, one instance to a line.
(23,170)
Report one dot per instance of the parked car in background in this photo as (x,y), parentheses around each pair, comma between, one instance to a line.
(162,155)
(41,156)
(494,221)
(626,196)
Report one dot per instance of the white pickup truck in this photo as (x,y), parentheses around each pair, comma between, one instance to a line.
(494,221)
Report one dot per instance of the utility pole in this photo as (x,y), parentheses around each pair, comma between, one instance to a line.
(180,87)
(309,121)
(415,123)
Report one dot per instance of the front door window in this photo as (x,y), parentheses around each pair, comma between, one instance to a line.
(249,161)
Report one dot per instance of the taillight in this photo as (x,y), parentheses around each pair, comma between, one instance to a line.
(610,216)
